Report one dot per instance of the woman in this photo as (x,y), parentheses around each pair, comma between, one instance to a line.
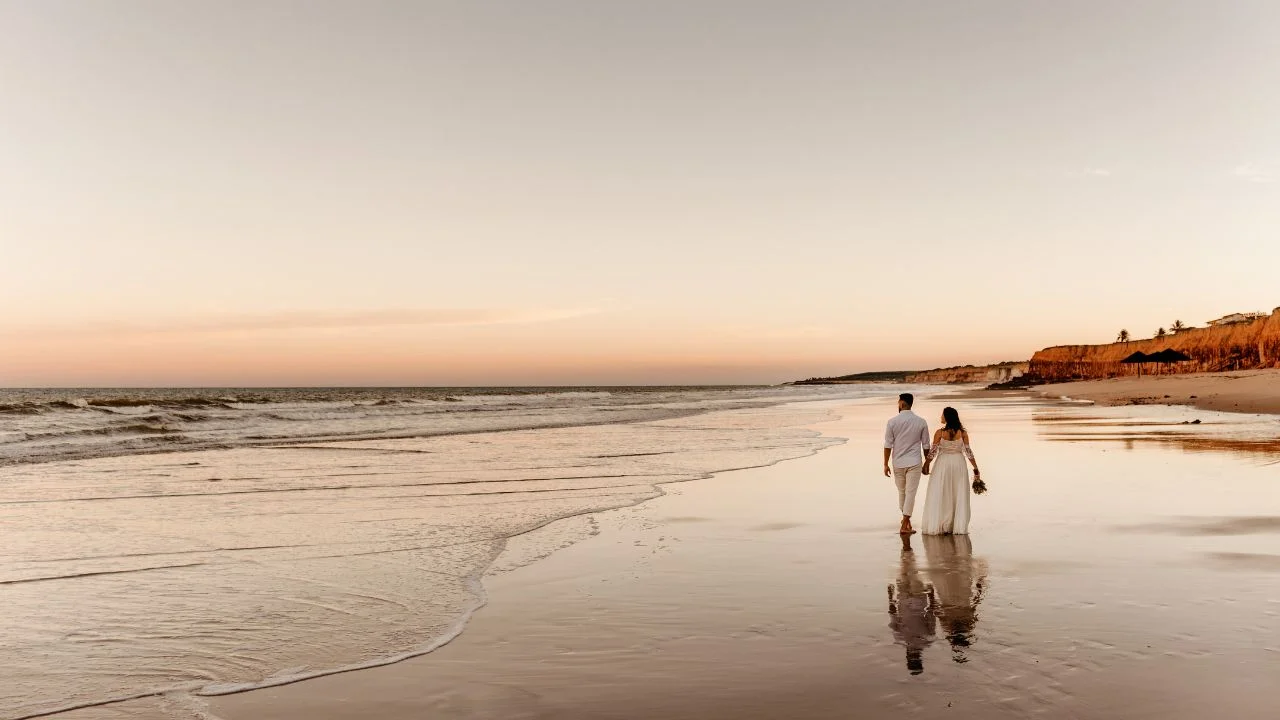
(946,504)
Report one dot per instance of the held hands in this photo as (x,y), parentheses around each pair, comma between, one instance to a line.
(925,470)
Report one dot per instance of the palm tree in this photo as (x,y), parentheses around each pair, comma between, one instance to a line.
(1177,326)
(1123,336)
(1161,333)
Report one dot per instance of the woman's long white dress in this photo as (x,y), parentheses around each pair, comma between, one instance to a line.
(946,503)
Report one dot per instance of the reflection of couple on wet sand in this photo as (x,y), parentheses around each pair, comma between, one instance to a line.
(908,446)
(948,600)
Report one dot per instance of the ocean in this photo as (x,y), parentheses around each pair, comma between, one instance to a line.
(207,541)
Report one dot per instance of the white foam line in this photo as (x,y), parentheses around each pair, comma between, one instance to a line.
(100,703)
(481,599)
(189,705)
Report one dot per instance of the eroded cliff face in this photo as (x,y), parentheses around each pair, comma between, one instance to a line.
(1003,372)
(1233,347)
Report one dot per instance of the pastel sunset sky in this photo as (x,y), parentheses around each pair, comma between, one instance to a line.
(587,192)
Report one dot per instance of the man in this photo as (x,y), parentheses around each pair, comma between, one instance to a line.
(906,441)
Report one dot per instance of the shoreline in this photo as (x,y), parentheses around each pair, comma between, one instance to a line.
(503,562)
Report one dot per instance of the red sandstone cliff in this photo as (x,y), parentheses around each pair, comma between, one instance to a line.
(1232,347)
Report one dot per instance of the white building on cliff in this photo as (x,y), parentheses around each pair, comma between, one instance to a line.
(1236,319)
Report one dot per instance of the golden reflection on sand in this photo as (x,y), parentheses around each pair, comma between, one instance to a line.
(1251,562)
(1189,436)
(1211,526)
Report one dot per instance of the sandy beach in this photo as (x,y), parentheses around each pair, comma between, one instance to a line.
(1247,391)
(1123,564)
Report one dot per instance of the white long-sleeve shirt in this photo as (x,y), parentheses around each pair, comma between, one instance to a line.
(907,434)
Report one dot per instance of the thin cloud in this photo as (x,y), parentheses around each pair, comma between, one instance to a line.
(775,333)
(1091,172)
(318,320)
(1253,173)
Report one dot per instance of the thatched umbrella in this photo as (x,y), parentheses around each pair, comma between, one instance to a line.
(1168,356)
(1137,359)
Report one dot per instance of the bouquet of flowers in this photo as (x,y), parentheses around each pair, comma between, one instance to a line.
(979,487)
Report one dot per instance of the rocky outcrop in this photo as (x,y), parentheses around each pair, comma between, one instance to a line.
(1242,346)
(966,374)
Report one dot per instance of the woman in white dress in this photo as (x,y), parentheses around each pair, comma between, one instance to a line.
(946,504)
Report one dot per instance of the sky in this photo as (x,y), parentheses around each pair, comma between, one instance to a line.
(231,193)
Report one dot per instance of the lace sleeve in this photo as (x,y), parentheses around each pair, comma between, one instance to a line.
(968,451)
(933,452)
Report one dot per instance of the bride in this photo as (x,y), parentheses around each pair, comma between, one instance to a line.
(946,504)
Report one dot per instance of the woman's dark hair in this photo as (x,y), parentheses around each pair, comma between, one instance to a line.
(951,420)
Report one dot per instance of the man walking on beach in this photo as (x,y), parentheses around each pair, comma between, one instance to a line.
(906,441)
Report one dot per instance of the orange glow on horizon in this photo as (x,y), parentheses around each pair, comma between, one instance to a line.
(396,357)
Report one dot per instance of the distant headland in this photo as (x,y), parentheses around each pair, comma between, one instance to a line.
(1003,372)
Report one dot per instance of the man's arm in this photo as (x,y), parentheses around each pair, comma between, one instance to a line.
(888,446)
(928,448)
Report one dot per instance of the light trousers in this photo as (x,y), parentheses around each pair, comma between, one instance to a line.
(908,481)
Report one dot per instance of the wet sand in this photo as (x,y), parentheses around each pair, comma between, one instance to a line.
(1123,565)
(1247,391)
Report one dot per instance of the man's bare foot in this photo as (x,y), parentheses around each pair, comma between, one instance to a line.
(905,528)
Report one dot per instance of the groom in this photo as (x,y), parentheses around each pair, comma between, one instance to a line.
(905,436)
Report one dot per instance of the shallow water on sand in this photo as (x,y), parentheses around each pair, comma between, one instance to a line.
(211,570)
